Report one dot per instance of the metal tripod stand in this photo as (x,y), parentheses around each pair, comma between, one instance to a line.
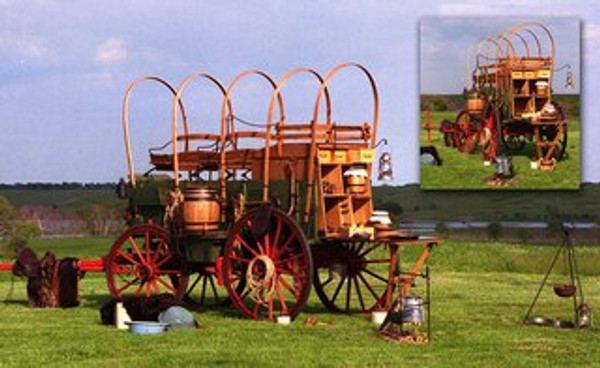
(573,290)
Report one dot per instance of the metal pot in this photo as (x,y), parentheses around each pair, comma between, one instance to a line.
(412,310)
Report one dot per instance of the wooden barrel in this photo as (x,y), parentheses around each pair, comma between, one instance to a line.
(355,180)
(201,209)
(356,184)
(475,104)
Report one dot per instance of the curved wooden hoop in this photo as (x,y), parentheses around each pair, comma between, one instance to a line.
(125,118)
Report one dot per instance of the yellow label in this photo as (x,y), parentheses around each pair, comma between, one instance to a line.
(367,155)
(339,157)
(324,156)
(517,74)
(543,74)
(354,156)
(529,74)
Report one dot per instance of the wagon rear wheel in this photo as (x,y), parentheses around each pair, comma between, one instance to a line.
(268,252)
(142,262)
(356,279)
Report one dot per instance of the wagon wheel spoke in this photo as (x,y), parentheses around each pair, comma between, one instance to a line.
(359,294)
(261,249)
(348,294)
(287,286)
(277,233)
(158,250)
(127,258)
(139,289)
(137,250)
(337,290)
(284,308)
(245,245)
(128,284)
(368,286)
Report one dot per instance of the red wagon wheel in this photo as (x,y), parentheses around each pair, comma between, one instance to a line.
(465,134)
(142,262)
(268,252)
(357,279)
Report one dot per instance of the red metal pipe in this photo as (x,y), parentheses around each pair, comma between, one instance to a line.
(6,266)
(91,265)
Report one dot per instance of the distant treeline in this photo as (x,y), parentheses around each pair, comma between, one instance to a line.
(58,186)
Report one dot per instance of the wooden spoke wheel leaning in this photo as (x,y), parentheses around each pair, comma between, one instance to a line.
(142,262)
(268,252)
(356,279)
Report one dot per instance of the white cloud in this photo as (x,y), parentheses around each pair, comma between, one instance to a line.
(22,47)
(111,51)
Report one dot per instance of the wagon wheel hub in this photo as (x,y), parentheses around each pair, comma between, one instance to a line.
(356,264)
(145,272)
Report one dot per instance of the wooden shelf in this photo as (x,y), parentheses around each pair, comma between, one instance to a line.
(340,210)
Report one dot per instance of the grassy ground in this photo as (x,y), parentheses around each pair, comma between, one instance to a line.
(481,292)
(466,171)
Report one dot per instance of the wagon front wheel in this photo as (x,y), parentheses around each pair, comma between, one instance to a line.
(268,252)
(142,262)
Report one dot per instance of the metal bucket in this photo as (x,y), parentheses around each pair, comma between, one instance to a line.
(412,310)
(201,209)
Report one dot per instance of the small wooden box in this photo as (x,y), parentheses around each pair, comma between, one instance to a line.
(367,156)
(340,157)
(543,74)
(353,156)
(324,157)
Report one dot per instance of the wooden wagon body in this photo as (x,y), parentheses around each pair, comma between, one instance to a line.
(511,99)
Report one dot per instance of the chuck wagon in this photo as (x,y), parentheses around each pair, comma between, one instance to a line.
(511,97)
(214,220)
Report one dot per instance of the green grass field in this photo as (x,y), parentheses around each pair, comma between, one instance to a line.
(467,171)
(481,292)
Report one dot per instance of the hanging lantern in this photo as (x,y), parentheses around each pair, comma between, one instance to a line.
(385,167)
(569,82)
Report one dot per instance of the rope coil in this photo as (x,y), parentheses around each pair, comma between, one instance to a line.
(262,285)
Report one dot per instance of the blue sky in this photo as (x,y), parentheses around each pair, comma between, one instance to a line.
(448,46)
(65,65)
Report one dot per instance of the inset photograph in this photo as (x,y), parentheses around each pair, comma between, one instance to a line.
(500,103)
